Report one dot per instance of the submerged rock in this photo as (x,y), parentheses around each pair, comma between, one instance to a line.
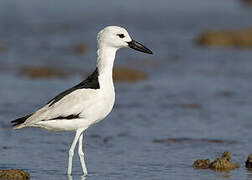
(226,38)
(123,74)
(201,164)
(224,163)
(42,72)
(249,161)
(14,174)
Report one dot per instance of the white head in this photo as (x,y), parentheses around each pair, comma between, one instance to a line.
(117,37)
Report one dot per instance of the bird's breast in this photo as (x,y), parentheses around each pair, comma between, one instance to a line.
(102,105)
(108,100)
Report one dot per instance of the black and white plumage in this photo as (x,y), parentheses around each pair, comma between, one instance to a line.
(88,102)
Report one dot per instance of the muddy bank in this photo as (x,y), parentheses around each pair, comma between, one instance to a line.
(80,49)
(247,2)
(224,163)
(190,140)
(192,106)
(226,38)
(45,72)
(14,174)
(124,74)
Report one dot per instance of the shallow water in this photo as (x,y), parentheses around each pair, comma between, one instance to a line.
(192,93)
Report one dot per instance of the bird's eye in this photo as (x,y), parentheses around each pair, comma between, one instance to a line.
(121,35)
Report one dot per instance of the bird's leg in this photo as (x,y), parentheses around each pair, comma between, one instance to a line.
(71,150)
(81,155)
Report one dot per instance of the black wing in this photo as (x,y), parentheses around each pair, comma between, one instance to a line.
(91,82)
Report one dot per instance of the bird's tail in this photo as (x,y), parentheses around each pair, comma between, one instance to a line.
(19,123)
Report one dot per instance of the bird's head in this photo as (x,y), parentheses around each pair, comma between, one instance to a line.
(117,37)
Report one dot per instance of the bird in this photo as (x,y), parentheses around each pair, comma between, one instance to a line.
(88,102)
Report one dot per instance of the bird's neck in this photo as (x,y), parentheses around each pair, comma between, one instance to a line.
(105,62)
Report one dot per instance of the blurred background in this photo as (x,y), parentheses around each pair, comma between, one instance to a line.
(192,99)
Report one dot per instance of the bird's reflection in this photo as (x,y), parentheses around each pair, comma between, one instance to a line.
(71,177)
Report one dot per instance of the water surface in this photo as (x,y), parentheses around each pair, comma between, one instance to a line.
(192,93)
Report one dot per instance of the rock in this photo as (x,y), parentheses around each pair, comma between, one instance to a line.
(227,38)
(123,74)
(14,174)
(80,49)
(219,164)
(249,161)
(224,163)
(42,72)
(201,164)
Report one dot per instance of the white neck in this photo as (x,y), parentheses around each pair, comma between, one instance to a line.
(105,62)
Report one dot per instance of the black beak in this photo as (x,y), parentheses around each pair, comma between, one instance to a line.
(139,47)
